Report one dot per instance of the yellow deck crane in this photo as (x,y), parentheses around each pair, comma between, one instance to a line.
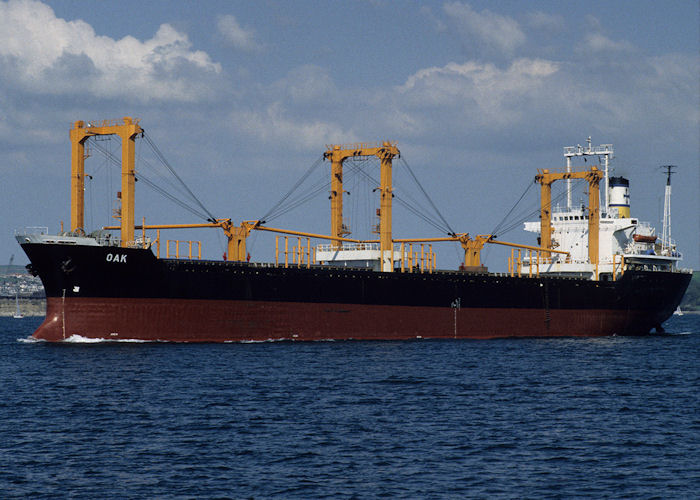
(337,154)
(546,178)
(127,129)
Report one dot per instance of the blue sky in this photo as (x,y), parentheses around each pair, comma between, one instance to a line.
(242,98)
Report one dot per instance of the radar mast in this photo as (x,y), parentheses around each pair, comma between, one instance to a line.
(606,150)
(666,244)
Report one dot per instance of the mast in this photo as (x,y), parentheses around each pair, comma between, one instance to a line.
(666,234)
(606,150)
(568,184)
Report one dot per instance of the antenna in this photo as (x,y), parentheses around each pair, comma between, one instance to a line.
(606,150)
(666,243)
(669,171)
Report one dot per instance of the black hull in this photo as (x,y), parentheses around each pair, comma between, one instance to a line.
(110,290)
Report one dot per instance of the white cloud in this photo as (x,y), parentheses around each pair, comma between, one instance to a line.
(500,32)
(272,125)
(236,35)
(519,74)
(483,89)
(534,98)
(45,54)
(596,42)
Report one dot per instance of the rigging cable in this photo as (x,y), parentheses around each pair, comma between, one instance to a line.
(160,156)
(410,208)
(535,212)
(276,211)
(451,232)
(165,179)
(113,158)
(361,204)
(418,213)
(298,201)
(284,205)
(500,224)
(530,215)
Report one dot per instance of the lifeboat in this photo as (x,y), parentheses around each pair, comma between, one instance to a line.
(645,238)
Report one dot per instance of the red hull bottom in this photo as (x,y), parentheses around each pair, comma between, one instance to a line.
(222,321)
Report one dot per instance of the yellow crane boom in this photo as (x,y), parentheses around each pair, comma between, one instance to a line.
(127,129)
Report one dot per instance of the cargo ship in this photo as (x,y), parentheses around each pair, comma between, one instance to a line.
(591,271)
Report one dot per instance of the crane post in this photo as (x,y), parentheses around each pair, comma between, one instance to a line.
(337,156)
(544,178)
(127,129)
(594,176)
(77,183)
(236,238)
(127,133)
(472,249)
(386,247)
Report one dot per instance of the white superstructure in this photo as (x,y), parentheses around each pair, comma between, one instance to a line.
(359,255)
(623,242)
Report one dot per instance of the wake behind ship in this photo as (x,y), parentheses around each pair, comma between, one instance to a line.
(592,272)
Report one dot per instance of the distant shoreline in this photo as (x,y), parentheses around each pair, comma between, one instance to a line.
(28,307)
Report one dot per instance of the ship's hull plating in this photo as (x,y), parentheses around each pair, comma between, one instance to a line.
(114,293)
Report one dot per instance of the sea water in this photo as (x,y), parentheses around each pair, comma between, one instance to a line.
(615,417)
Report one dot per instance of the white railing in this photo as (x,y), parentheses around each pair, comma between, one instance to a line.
(588,150)
(32,230)
(106,241)
(347,247)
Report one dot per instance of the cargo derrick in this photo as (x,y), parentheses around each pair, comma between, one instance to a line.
(127,129)
(546,178)
(386,153)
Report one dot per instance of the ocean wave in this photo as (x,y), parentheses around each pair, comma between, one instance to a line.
(79,339)
(30,340)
